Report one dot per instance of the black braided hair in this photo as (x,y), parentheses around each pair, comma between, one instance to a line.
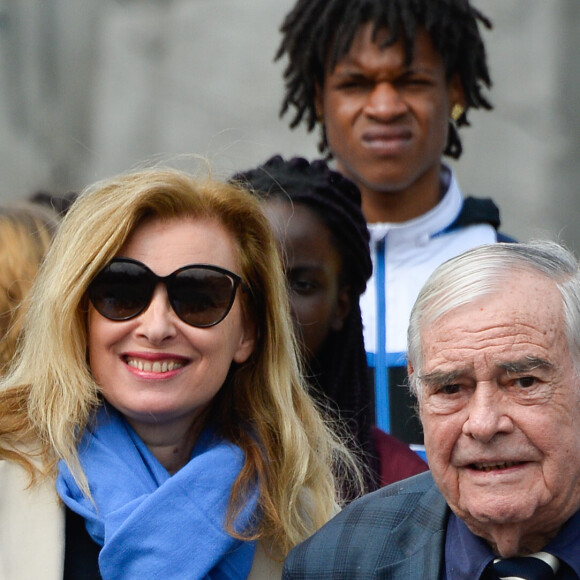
(338,373)
(316,34)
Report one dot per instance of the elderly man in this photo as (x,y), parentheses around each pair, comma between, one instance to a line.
(494,359)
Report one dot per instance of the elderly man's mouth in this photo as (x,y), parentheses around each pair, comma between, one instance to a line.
(494,466)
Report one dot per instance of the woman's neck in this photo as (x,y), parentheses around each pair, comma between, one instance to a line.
(171,445)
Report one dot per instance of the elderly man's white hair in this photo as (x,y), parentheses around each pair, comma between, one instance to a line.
(483,271)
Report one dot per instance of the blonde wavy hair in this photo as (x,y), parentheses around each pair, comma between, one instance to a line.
(263,407)
(26,231)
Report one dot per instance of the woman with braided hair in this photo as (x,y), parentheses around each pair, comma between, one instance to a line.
(316,216)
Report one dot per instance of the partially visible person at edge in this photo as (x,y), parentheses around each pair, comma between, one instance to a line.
(494,359)
(159,369)
(26,231)
(324,241)
(389,83)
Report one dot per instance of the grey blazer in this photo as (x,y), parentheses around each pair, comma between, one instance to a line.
(394,533)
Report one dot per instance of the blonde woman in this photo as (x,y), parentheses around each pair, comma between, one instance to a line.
(26,231)
(159,367)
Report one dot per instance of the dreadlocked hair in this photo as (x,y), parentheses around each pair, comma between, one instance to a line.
(316,34)
(338,372)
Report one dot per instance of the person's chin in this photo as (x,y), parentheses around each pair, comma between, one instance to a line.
(496,495)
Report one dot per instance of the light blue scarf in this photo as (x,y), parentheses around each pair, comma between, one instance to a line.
(151,524)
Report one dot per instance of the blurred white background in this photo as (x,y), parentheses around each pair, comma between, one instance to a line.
(88,89)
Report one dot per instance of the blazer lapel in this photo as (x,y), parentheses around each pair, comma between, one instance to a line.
(421,538)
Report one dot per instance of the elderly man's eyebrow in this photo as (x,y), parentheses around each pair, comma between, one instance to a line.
(440,377)
(525,365)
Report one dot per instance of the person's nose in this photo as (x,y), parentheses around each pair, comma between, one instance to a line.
(385,102)
(158,322)
(486,413)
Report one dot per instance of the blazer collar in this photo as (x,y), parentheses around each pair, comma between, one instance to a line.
(421,537)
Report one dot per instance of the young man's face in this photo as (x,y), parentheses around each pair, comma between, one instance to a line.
(386,123)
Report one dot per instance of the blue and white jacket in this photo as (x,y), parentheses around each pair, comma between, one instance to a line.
(404,256)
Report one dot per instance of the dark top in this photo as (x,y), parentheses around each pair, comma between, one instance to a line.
(81,553)
(466,555)
(396,459)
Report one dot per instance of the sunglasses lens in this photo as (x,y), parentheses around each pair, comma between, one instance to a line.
(120,291)
(202,297)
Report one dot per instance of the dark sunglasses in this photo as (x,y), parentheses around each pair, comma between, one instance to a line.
(200,294)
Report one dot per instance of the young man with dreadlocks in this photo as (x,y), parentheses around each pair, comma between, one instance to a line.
(323,237)
(389,82)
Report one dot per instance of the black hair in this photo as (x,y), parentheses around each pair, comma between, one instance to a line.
(338,373)
(316,34)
